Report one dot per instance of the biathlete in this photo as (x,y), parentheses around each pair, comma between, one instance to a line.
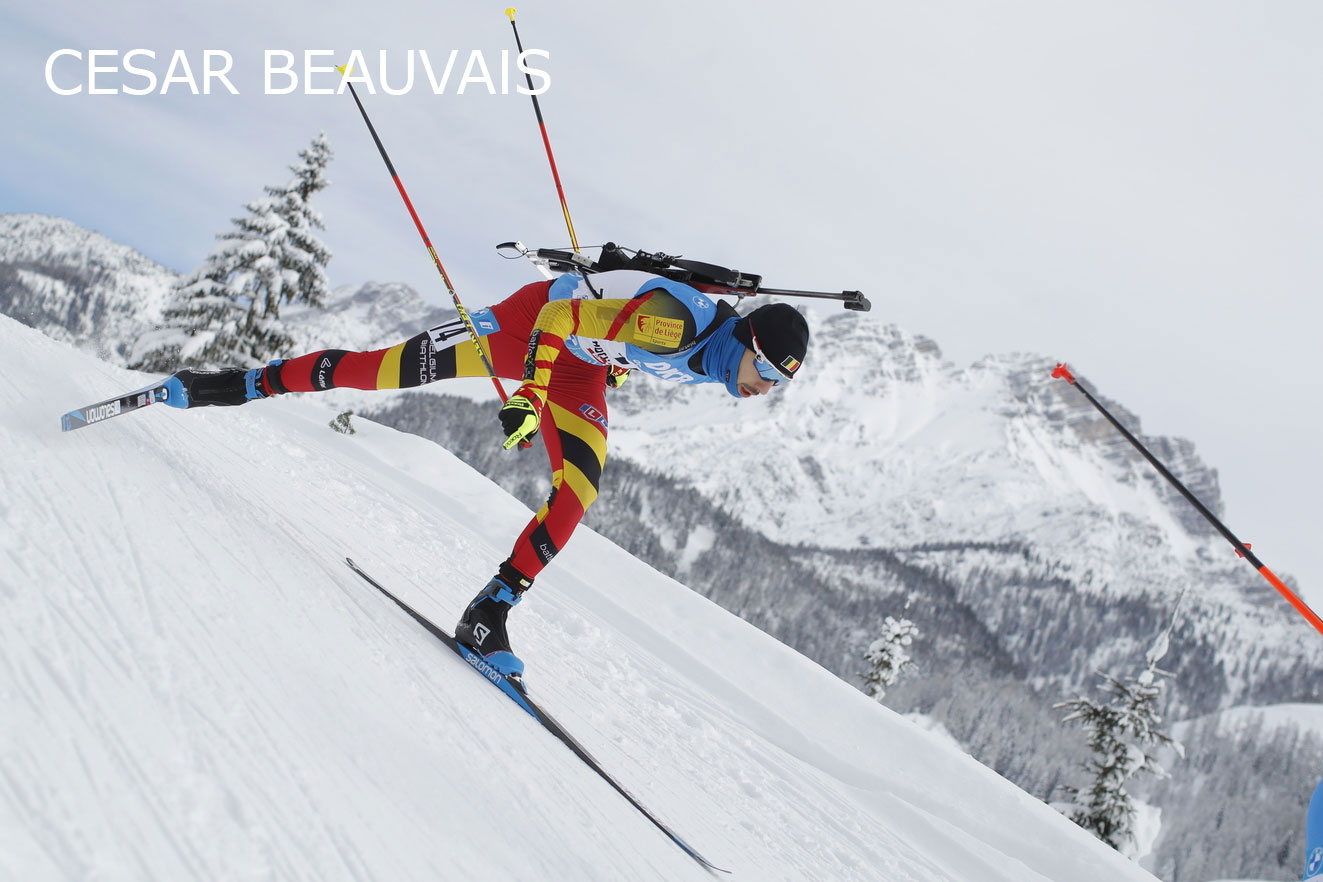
(566,340)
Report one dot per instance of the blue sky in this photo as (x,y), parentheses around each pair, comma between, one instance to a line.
(1130,186)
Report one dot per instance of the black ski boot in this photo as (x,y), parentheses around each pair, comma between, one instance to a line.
(208,388)
(482,627)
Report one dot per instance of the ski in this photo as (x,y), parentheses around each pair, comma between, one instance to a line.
(113,407)
(515,689)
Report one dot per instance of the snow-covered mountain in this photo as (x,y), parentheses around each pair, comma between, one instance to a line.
(1031,544)
(369,316)
(195,687)
(78,286)
(1000,481)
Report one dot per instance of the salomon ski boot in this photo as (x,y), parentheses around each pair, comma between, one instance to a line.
(226,388)
(482,627)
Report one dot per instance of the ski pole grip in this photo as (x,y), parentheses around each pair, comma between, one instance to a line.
(1063,373)
(510,13)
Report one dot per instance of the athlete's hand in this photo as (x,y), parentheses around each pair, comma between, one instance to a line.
(521,416)
(616,376)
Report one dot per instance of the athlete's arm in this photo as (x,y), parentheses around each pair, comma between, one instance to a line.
(654,321)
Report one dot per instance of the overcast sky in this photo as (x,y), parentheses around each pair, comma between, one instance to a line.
(1134,187)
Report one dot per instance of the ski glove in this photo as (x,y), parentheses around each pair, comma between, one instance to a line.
(521,416)
(616,376)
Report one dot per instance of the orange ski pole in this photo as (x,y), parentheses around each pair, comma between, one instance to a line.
(1242,548)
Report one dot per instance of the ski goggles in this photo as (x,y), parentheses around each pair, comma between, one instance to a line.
(766,369)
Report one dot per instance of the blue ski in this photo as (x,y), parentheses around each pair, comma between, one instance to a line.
(515,689)
(113,407)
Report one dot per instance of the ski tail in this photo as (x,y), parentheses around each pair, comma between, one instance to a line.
(515,689)
(549,723)
(156,393)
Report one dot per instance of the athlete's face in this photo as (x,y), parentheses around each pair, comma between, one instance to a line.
(749,380)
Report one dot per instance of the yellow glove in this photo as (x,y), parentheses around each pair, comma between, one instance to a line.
(616,376)
(520,416)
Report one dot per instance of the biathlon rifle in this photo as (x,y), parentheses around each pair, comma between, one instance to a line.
(555,261)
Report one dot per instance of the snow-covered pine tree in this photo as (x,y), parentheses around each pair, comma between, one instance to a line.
(1124,731)
(227,312)
(889,656)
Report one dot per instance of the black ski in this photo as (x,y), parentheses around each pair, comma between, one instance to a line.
(113,407)
(514,688)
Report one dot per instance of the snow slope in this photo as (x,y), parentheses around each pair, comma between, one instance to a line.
(195,687)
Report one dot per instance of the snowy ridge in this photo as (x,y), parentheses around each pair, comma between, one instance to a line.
(198,688)
(371,316)
(848,440)
(77,285)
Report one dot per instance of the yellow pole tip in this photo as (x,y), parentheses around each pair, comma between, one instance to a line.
(345,70)
(510,13)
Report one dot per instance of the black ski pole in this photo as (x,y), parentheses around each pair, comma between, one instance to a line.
(1242,549)
(546,142)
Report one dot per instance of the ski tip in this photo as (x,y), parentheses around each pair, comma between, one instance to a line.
(689,850)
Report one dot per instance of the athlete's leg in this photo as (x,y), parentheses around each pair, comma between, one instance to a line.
(574,429)
(415,362)
(439,353)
